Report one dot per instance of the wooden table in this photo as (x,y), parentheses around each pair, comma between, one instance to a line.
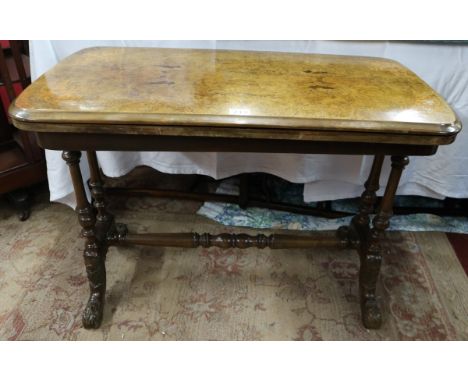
(204,100)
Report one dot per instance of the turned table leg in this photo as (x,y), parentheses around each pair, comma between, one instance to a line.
(370,251)
(105,220)
(94,252)
(369,196)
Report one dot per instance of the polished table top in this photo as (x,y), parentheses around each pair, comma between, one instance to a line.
(150,90)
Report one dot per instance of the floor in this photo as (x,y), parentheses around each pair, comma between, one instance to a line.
(210,294)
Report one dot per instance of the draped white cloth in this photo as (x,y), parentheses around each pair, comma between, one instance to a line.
(326,177)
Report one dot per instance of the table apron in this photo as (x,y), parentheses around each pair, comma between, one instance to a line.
(119,142)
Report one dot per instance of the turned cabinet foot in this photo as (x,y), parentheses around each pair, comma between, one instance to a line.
(24,214)
(21,201)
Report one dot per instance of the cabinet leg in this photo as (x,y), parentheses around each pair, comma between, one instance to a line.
(94,252)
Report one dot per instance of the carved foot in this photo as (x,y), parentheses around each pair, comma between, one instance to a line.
(92,315)
(96,271)
(370,312)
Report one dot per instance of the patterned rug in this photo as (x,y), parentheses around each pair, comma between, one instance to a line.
(210,294)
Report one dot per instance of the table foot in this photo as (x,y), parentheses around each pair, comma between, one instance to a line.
(93,313)
(371,261)
(370,312)
(96,272)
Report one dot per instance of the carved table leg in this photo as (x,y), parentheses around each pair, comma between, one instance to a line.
(94,252)
(371,253)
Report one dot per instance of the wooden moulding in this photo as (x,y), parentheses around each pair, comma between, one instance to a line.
(329,131)
(120,236)
(49,131)
(108,142)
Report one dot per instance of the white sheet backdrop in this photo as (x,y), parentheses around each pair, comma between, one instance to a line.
(326,177)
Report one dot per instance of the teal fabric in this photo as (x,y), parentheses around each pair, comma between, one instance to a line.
(233,215)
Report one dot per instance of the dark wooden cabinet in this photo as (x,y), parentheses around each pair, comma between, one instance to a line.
(22,162)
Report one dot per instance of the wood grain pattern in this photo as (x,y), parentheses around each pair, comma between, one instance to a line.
(147,87)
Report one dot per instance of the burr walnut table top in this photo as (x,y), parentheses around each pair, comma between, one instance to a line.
(235,94)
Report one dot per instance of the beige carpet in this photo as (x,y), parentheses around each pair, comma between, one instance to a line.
(210,294)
